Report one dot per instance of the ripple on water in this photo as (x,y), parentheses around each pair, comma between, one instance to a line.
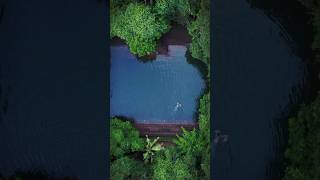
(149,92)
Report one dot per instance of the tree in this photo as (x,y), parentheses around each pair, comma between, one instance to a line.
(199,30)
(124,138)
(151,148)
(170,165)
(126,167)
(188,142)
(139,27)
(194,146)
(304,143)
(165,8)
(177,10)
(204,115)
(204,128)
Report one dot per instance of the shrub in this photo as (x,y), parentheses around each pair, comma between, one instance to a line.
(304,143)
(170,166)
(139,27)
(124,138)
(199,30)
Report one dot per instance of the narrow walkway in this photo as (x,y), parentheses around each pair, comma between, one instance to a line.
(163,129)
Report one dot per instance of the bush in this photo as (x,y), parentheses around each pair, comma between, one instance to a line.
(139,27)
(199,30)
(304,143)
(126,167)
(170,166)
(176,10)
(204,115)
(303,152)
(124,138)
(124,142)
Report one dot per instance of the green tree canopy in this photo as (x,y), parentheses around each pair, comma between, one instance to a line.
(139,27)
(204,128)
(176,10)
(204,115)
(199,30)
(194,146)
(170,166)
(126,167)
(303,152)
(124,138)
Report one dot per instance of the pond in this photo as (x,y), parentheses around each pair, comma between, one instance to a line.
(165,90)
(256,71)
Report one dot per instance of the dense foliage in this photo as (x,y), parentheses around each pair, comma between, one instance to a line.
(170,165)
(152,147)
(141,25)
(138,26)
(124,138)
(303,152)
(191,155)
(125,167)
(180,11)
(124,142)
(199,29)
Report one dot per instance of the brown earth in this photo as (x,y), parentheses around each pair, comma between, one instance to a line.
(162,129)
(178,35)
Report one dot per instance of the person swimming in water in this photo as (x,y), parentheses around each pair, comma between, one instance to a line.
(178,105)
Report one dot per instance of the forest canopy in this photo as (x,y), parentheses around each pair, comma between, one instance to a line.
(138,26)
(141,24)
(303,154)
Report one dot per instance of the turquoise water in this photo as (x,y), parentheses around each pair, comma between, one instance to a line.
(161,91)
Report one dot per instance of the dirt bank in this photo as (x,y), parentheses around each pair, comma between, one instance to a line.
(178,35)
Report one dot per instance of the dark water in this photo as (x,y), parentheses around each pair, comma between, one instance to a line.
(257,67)
(53,87)
(162,91)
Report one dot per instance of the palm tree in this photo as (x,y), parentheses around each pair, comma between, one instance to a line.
(151,148)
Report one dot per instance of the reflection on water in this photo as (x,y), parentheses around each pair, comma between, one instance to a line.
(257,66)
(161,91)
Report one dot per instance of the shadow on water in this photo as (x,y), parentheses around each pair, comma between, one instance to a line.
(276,167)
(263,72)
(201,66)
(2,8)
(125,118)
(294,19)
(4,91)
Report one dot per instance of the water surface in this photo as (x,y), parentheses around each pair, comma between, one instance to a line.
(254,72)
(162,91)
(53,88)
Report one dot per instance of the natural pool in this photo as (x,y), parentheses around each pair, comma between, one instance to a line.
(161,91)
